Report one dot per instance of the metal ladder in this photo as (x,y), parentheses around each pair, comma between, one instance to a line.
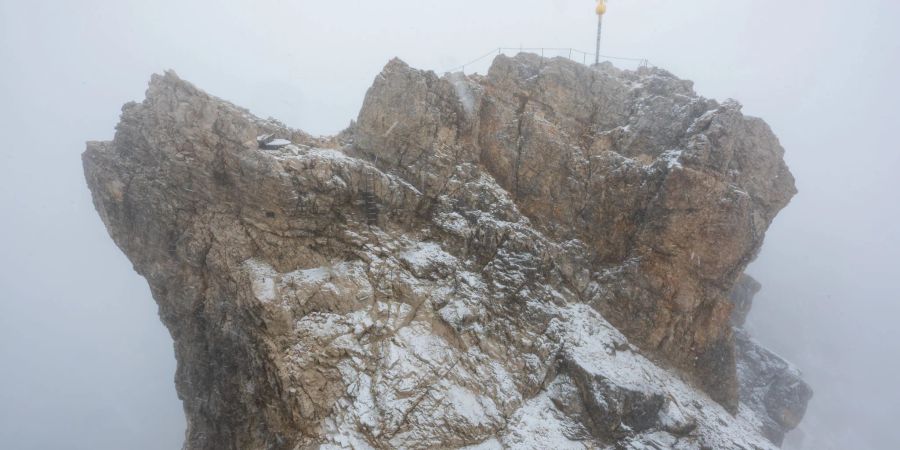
(370,205)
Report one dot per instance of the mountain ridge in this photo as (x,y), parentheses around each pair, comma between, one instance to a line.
(522,219)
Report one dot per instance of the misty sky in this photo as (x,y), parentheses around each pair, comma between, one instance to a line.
(84,360)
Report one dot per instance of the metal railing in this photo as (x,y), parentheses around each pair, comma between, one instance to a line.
(569,53)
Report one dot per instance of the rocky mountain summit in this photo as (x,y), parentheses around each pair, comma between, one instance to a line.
(547,256)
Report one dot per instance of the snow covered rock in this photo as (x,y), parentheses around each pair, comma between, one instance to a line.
(524,219)
(670,192)
(771,387)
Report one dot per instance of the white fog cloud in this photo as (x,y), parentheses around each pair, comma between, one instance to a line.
(84,361)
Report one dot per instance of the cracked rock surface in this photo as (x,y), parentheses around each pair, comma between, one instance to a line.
(541,257)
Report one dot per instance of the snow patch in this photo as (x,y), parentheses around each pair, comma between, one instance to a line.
(672,158)
(262,280)
(474,409)
(490,444)
(538,425)
(425,256)
(327,153)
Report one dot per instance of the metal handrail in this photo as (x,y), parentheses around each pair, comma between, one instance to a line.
(642,62)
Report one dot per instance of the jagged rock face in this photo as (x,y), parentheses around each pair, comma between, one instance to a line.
(669,192)
(769,385)
(516,213)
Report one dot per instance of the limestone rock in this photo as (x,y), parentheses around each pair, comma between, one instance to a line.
(549,266)
(770,386)
(669,192)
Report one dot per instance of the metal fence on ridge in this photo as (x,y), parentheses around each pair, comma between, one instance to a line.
(482,62)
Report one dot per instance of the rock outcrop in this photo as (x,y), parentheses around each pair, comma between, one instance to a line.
(769,385)
(540,257)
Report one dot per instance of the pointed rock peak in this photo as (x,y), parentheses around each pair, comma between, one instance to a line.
(396,64)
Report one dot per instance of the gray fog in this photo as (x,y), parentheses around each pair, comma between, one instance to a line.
(85,362)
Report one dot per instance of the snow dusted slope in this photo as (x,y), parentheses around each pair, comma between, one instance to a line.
(454,321)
